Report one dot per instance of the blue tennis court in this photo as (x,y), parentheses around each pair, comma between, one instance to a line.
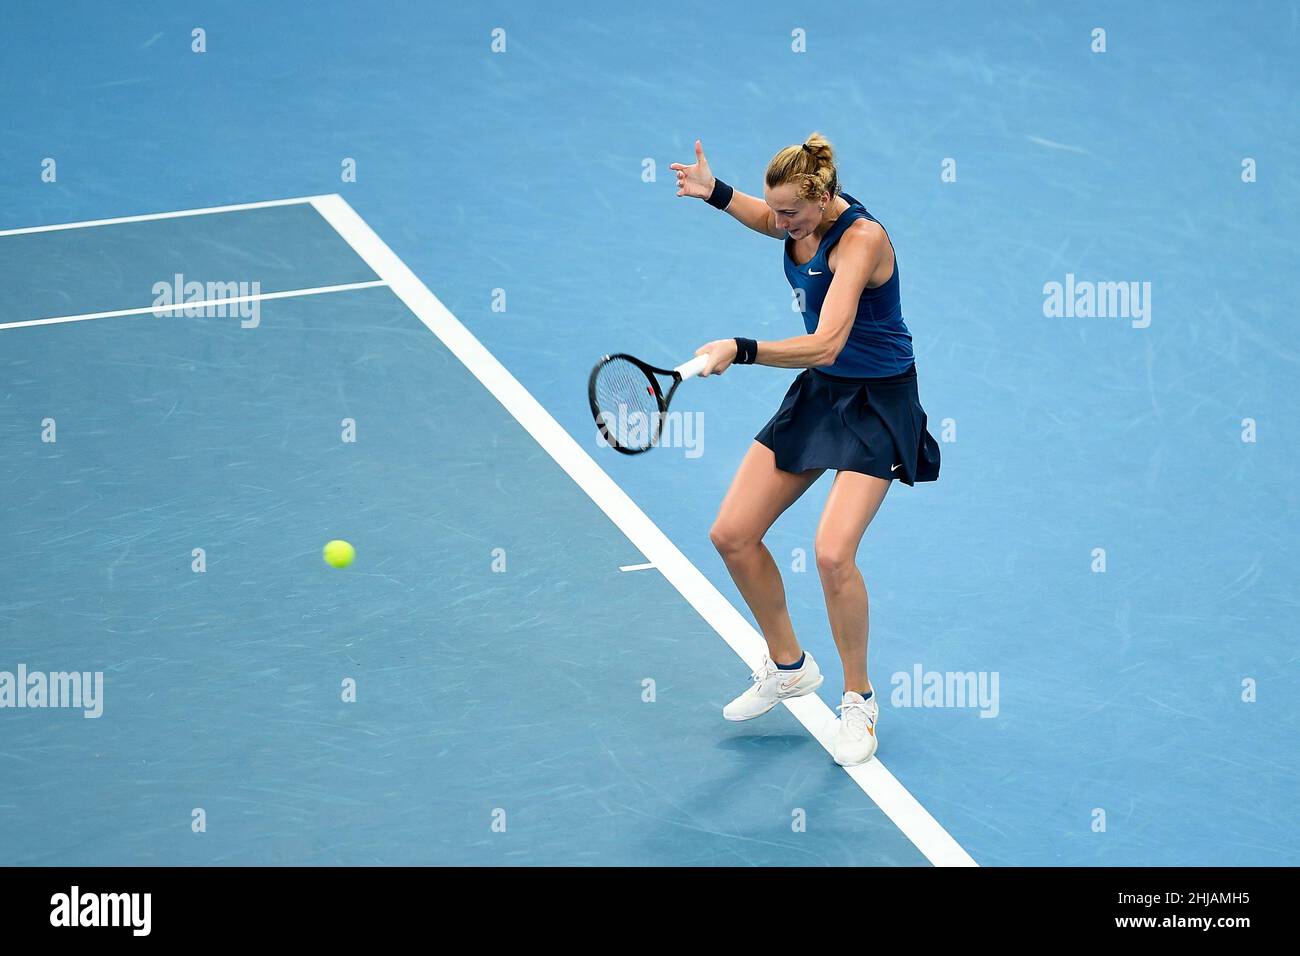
(345,277)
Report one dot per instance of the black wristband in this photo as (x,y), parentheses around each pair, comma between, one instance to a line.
(721,195)
(746,351)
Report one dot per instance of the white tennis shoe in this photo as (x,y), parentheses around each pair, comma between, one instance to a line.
(855,740)
(773,685)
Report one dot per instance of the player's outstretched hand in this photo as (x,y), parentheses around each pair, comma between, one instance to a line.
(697,179)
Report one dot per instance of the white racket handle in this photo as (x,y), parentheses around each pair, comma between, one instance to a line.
(692,368)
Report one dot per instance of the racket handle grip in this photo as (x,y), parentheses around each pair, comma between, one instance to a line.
(692,368)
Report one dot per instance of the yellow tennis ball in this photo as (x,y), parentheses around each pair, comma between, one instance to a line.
(339,554)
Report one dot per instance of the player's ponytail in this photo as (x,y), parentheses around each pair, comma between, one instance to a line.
(810,166)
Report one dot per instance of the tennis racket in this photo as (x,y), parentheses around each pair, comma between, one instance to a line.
(628,400)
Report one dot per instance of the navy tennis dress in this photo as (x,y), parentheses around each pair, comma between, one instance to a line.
(862,412)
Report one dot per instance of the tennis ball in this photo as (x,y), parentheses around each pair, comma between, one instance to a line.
(339,554)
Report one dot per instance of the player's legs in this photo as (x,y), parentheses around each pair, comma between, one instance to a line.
(853,502)
(758,495)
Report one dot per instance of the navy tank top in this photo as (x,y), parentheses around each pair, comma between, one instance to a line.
(879,342)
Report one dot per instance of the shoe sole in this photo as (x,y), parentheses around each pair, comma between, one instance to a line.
(802,692)
(856,763)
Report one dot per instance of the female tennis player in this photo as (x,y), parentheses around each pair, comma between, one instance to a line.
(854,409)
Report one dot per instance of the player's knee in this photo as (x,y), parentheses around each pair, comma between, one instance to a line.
(728,539)
(835,559)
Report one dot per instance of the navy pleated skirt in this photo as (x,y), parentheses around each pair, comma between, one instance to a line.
(875,426)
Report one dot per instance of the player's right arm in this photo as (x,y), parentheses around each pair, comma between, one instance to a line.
(698,180)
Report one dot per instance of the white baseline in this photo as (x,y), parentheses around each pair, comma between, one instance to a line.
(91,223)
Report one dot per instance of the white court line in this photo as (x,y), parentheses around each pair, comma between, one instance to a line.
(879,784)
(635,567)
(159,215)
(231,300)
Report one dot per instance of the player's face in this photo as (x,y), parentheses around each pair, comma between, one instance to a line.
(798,217)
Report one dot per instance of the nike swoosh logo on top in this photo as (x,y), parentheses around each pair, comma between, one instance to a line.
(899,465)
(811,273)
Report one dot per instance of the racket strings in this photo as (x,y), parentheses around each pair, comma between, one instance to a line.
(628,406)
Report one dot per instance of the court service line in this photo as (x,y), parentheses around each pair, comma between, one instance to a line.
(879,784)
(158,215)
(635,567)
(207,303)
